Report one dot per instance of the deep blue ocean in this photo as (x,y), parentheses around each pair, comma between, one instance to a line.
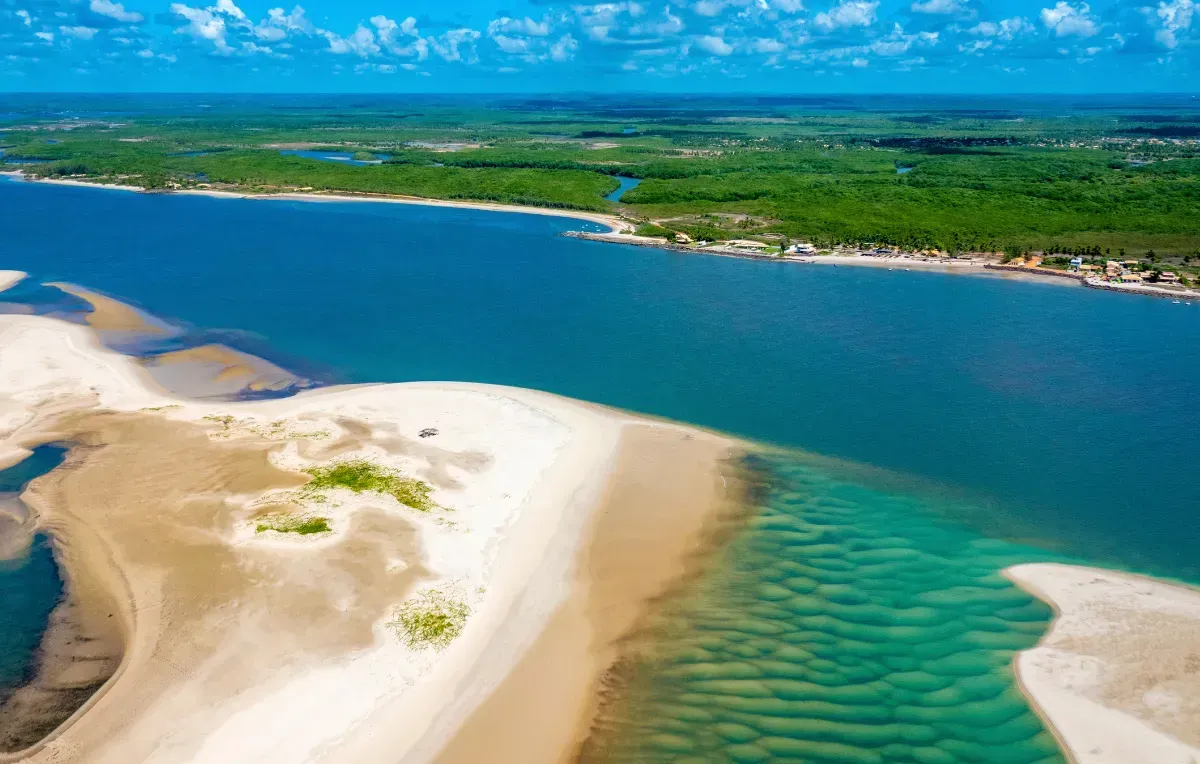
(991,420)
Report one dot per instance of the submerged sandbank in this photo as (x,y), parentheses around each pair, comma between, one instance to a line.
(244,643)
(1118,674)
(109,315)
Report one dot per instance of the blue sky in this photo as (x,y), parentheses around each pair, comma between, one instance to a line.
(794,46)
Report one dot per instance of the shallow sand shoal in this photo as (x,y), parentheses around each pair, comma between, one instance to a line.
(246,646)
(111,315)
(208,371)
(9,279)
(1118,675)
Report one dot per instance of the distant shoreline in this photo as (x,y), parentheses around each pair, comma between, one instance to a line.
(621,232)
(614,223)
(971,267)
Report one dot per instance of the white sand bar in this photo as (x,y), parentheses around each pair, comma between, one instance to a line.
(247,646)
(9,279)
(1118,675)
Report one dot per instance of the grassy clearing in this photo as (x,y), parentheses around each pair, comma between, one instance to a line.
(433,619)
(303,526)
(279,429)
(361,476)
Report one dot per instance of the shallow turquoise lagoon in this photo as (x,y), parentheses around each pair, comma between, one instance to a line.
(849,623)
(862,617)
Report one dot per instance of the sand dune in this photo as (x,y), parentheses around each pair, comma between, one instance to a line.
(249,646)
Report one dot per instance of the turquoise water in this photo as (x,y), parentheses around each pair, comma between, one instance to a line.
(1025,421)
(626,184)
(851,622)
(30,586)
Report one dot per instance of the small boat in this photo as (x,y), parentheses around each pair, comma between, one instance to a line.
(1175,302)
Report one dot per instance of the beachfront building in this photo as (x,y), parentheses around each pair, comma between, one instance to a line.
(1131,278)
(749,245)
(1090,270)
(1076,263)
(1168,277)
(1113,269)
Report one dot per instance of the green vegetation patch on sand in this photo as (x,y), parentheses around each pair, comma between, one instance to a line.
(433,619)
(304,526)
(361,475)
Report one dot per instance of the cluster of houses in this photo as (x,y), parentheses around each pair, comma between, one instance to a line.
(1121,271)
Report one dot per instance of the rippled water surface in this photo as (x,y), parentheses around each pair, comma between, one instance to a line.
(848,624)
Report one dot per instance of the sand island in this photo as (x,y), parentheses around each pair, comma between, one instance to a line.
(346,574)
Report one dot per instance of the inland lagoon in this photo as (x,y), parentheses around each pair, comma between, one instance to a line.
(30,584)
(965,424)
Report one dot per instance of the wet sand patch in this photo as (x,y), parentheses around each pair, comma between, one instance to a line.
(109,315)
(667,501)
(209,371)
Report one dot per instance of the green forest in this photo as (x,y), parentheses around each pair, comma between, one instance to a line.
(948,179)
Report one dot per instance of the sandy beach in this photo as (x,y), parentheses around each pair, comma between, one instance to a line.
(1118,675)
(9,279)
(612,222)
(553,525)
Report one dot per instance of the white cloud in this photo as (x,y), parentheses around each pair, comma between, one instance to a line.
(278,24)
(47,36)
(456,45)
(24,15)
(1006,29)
(848,13)
(767,45)
(229,9)
(203,24)
(600,19)
(79,32)
(938,6)
(361,43)
(714,45)
(1066,20)
(1174,17)
(115,11)
(145,53)
(709,7)
(787,6)
(669,24)
(525,26)
(859,62)
(564,49)
(403,39)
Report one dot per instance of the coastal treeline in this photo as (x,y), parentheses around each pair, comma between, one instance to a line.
(988,179)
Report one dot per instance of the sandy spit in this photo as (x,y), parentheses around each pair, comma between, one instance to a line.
(111,315)
(613,222)
(247,646)
(9,279)
(1118,675)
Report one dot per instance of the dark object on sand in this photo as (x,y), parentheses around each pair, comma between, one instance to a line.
(428,432)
